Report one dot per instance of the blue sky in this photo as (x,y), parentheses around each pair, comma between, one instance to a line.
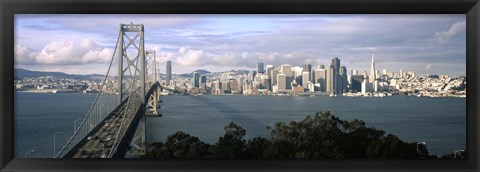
(83,44)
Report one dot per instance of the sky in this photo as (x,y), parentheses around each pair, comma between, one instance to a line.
(84,43)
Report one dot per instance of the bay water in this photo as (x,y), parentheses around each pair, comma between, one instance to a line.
(440,122)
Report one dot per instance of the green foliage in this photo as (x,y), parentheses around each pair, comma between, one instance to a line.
(319,136)
(232,144)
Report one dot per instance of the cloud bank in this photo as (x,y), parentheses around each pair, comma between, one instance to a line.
(65,52)
(219,42)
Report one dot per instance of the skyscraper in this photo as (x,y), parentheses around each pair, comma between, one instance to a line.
(320,78)
(331,78)
(252,75)
(274,74)
(169,73)
(308,68)
(202,82)
(268,71)
(281,82)
(334,75)
(357,83)
(373,75)
(342,80)
(260,68)
(305,79)
(336,64)
(286,69)
(196,79)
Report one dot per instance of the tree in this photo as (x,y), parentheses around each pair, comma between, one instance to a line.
(319,136)
(232,144)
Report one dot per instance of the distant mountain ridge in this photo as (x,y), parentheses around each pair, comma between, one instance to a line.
(22,73)
(202,72)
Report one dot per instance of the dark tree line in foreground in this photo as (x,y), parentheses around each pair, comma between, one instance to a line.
(319,136)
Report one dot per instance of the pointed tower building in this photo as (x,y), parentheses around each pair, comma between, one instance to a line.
(372,76)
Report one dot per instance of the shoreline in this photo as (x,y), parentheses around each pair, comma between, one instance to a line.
(369,95)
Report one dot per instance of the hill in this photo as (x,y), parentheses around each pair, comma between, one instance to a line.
(22,73)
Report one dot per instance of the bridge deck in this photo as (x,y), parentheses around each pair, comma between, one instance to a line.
(101,139)
(99,142)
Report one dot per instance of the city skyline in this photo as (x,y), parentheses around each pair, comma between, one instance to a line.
(426,44)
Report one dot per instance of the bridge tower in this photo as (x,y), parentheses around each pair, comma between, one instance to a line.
(131,65)
(152,78)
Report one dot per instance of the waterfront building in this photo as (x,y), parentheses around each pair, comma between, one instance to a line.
(218,87)
(298,89)
(240,80)
(169,72)
(234,86)
(275,88)
(311,87)
(226,87)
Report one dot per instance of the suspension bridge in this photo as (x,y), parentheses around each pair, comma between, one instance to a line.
(115,128)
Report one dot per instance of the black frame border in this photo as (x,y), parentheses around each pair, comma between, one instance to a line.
(10,7)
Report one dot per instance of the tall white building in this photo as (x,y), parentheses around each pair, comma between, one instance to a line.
(372,76)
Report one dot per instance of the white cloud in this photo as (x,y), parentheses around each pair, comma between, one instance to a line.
(191,57)
(444,36)
(196,41)
(24,55)
(64,52)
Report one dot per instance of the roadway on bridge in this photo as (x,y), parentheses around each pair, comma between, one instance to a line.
(99,144)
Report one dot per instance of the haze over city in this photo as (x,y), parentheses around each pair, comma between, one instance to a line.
(83,44)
